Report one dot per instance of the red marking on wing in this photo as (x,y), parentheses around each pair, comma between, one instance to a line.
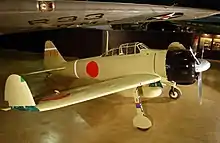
(92,69)
(55,97)
(166,16)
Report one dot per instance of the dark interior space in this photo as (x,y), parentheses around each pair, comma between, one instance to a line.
(70,42)
(83,43)
(153,39)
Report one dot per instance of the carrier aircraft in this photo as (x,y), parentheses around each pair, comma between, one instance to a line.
(143,70)
(146,69)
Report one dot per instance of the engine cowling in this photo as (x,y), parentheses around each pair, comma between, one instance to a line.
(180,67)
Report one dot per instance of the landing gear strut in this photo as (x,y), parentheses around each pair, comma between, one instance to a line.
(174,92)
(140,121)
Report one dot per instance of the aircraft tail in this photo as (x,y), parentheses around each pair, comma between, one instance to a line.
(18,94)
(52,57)
(53,60)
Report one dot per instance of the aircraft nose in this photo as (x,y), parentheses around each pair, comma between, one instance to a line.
(203,66)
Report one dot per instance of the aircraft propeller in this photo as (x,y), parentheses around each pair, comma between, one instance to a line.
(200,74)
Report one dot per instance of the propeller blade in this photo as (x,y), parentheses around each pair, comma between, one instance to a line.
(194,56)
(200,88)
(200,81)
(202,53)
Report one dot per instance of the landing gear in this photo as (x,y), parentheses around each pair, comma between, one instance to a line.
(140,121)
(175,92)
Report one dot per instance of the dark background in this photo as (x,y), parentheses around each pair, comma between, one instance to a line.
(85,43)
(70,42)
(153,39)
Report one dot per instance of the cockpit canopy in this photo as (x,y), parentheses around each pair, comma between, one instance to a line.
(126,49)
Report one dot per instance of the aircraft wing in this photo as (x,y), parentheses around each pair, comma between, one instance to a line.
(96,90)
(27,15)
(154,17)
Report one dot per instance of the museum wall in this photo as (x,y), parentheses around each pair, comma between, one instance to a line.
(85,43)
(70,42)
(153,39)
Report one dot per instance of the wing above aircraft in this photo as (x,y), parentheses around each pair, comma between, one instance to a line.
(29,15)
(21,97)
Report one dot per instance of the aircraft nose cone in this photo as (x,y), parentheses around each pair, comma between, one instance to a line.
(203,66)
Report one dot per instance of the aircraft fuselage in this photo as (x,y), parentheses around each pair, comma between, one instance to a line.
(103,68)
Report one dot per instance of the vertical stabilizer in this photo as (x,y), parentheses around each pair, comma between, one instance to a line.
(17,92)
(52,57)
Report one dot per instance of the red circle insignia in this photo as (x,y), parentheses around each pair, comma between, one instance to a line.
(92,69)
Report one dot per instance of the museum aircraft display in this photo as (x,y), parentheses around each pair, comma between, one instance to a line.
(143,70)
(27,15)
(139,68)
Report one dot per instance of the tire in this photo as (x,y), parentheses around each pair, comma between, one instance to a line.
(174,93)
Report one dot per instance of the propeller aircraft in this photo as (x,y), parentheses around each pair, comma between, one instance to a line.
(143,69)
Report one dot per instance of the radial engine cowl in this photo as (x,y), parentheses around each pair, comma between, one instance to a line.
(180,67)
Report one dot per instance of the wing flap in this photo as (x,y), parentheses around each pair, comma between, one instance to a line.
(97,90)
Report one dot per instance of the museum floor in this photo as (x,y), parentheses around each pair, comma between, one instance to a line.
(109,119)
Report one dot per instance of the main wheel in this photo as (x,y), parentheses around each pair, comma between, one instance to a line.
(174,93)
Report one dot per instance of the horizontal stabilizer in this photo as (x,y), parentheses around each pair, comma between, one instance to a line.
(44,71)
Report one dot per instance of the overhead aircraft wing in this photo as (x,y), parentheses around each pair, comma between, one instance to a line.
(73,96)
(29,15)
(155,17)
